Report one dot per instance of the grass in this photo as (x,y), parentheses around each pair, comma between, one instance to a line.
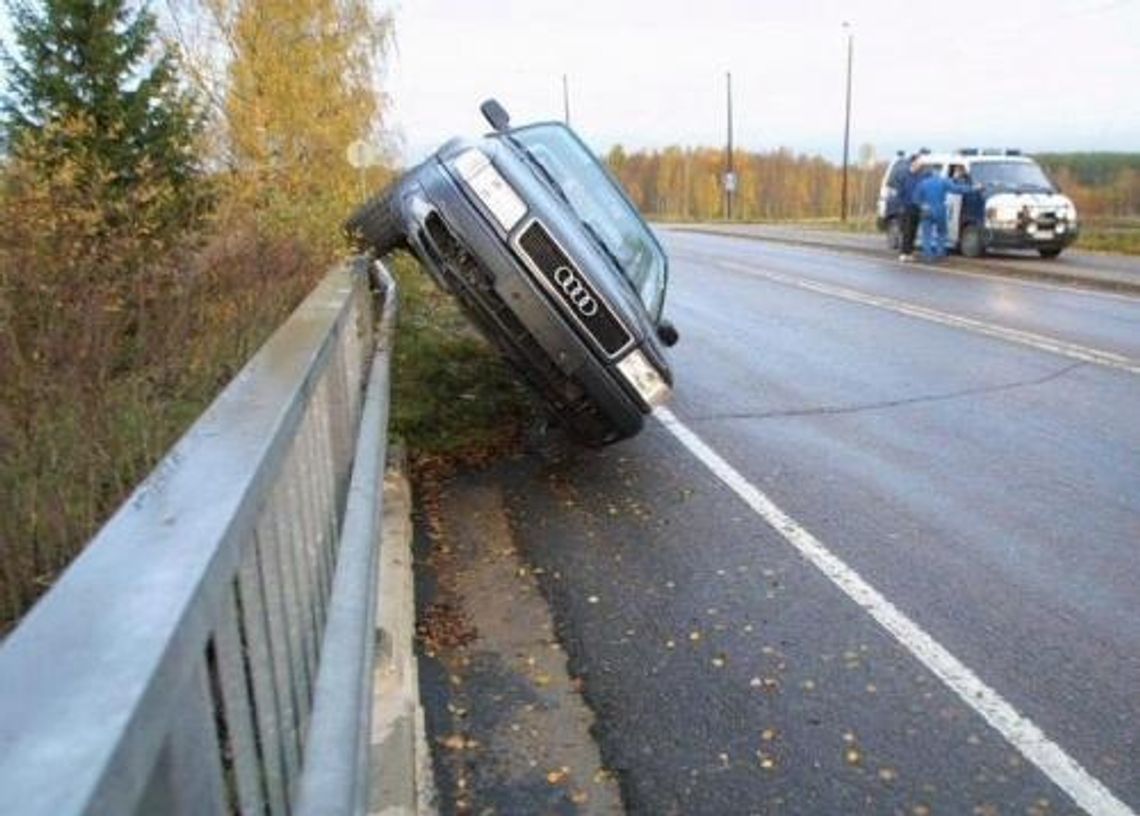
(454,397)
(1119,235)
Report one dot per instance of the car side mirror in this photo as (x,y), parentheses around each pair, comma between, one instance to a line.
(667,333)
(496,115)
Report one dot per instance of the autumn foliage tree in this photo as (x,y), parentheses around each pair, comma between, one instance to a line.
(298,85)
(686,183)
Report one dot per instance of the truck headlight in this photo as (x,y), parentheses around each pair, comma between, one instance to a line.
(645,379)
(490,187)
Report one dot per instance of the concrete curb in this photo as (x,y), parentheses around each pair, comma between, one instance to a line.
(401,779)
(1103,284)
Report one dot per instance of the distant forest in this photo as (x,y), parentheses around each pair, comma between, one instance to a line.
(687,183)
(1100,184)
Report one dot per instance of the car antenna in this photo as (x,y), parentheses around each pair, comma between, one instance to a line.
(496,115)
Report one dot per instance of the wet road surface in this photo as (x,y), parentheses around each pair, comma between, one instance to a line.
(968,449)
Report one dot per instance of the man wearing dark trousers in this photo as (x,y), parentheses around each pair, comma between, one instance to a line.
(910,212)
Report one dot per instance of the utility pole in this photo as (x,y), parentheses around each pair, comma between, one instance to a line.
(846,124)
(729,175)
(566,100)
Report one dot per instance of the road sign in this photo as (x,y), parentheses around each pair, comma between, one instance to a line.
(361,154)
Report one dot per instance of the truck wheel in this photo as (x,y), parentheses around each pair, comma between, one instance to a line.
(1049,252)
(894,234)
(377,225)
(973,245)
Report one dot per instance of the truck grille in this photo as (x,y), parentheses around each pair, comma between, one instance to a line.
(565,282)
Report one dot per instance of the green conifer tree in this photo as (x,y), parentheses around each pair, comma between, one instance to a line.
(91,91)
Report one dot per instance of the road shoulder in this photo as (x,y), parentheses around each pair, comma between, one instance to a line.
(508,727)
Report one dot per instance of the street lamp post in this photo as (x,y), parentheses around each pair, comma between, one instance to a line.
(846,124)
(729,175)
(566,100)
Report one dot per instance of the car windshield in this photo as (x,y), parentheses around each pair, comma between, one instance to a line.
(1010,174)
(602,208)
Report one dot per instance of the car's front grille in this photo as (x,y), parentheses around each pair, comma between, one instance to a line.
(565,282)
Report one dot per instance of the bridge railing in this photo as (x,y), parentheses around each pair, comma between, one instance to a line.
(210,651)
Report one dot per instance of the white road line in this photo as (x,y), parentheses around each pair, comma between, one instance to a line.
(1086,791)
(1041,342)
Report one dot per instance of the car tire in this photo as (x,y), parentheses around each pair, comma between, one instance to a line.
(377,225)
(894,234)
(972,242)
(1049,253)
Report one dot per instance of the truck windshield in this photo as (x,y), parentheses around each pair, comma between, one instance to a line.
(602,207)
(1011,174)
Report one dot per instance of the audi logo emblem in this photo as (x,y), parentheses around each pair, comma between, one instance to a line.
(575,291)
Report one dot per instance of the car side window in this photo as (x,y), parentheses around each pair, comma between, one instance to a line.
(898,170)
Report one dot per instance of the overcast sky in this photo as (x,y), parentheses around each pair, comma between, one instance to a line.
(1036,74)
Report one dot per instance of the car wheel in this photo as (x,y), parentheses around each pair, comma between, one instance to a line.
(377,224)
(1049,252)
(973,245)
(894,234)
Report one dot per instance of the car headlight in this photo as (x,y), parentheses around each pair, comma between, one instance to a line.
(1003,213)
(645,379)
(490,187)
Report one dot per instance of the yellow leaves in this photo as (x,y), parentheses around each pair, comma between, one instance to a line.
(302,87)
(767,684)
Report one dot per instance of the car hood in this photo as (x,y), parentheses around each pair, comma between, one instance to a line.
(1034,199)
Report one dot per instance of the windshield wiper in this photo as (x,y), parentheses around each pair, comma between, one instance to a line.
(590,228)
(546,174)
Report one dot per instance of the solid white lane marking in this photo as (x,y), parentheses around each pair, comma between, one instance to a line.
(1041,342)
(1085,790)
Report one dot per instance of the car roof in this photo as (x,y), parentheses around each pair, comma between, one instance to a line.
(959,157)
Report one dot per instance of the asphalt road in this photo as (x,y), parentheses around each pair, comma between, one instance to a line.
(1074,267)
(964,449)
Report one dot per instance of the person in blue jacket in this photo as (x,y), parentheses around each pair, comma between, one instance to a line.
(910,214)
(930,198)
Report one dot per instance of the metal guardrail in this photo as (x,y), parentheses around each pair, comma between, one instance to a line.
(211,649)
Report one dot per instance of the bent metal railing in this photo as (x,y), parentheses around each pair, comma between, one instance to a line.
(211,649)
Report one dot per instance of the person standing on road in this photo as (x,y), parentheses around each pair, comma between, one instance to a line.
(910,212)
(930,198)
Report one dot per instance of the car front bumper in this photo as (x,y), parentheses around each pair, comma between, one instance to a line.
(1028,237)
